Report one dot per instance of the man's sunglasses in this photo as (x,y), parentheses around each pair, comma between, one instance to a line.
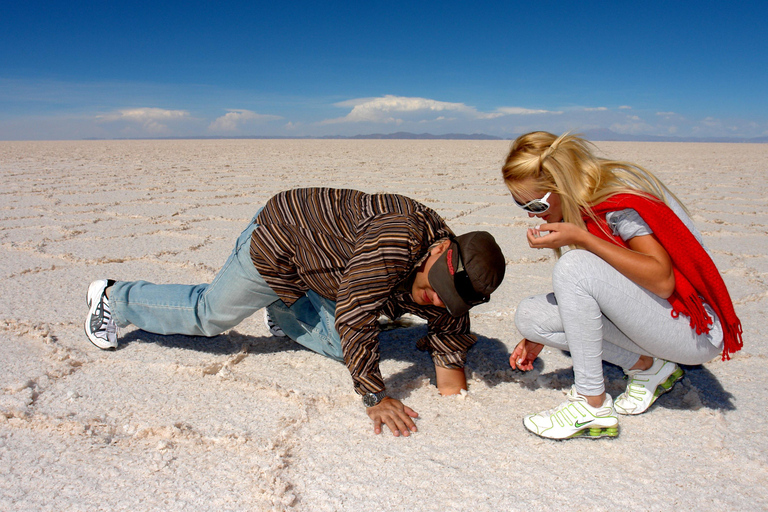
(536,206)
(463,285)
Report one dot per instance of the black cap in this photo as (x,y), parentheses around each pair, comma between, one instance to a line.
(468,271)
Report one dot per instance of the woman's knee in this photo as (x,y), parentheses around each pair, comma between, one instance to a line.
(577,266)
(571,263)
(533,313)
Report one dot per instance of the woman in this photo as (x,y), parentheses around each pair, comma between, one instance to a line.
(637,288)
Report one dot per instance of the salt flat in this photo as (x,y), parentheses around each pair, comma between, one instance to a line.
(245,421)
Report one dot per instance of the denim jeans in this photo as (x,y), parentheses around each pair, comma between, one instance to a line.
(310,322)
(235,293)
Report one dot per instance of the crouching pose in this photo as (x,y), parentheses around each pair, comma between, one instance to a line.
(637,288)
(326,263)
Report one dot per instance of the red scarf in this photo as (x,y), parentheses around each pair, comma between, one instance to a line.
(695,273)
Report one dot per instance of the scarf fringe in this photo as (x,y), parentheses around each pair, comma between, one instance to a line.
(732,340)
(692,307)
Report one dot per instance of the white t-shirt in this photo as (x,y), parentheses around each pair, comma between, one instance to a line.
(629,224)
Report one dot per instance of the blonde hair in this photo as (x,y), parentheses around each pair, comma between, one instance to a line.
(567,166)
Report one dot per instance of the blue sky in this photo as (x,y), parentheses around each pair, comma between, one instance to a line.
(79,69)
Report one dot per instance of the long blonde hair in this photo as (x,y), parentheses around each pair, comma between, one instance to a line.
(567,166)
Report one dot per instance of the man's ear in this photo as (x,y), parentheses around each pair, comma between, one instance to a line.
(440,248)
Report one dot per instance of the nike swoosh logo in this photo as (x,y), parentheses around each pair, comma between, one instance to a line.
(579,424)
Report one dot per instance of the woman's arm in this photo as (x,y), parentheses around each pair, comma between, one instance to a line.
(646,263)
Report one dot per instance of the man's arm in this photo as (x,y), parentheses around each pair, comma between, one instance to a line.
(381,259)
(448,340)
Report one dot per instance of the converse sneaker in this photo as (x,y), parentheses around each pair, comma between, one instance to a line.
(274,329)
(645,386)
(575,418)
(99,325)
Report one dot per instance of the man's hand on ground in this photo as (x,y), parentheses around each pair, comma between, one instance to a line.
(395,415)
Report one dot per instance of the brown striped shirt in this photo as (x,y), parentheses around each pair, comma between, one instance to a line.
(359,250)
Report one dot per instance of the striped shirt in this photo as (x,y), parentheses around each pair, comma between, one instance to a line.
(359,250)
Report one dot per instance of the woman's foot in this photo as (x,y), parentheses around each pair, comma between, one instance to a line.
(645,386)
(575,418)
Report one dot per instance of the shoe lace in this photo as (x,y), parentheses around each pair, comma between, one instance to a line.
(560,408)
(105,322)
(636,386)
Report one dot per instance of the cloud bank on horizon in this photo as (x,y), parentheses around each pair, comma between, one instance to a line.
(384,114)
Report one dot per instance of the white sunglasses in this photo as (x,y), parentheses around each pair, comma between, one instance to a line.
(536,206)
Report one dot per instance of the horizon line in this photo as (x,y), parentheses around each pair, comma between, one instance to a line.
(601,135)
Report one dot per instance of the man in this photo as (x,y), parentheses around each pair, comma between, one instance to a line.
(326,263)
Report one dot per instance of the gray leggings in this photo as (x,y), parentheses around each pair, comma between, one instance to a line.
(598,314)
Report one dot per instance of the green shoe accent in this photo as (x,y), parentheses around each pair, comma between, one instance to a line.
(575,418)
(667,384)
(597,432)
(644,386)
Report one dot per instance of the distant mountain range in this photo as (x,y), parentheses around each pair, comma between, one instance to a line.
(595,135)
(397,135)
(426,136)
(608,135)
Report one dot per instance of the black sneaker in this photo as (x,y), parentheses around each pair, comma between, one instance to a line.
(274,329)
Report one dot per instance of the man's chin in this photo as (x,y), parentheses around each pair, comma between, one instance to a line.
(417,301)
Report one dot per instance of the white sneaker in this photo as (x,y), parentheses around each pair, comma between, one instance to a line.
(274,329)
(575,418)
(99,325)
(645,386)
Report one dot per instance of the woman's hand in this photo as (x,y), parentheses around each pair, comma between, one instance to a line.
(524,355)
(559,234)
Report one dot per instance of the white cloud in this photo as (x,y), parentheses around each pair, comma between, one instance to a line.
(520,111)
(237,118)
(355,102)
(665,114)
(625,107)
(152,120)
(594,109)
(398,109)
(142,115)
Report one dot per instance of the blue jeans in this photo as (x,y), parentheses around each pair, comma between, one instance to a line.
(310,322)
(235,293)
